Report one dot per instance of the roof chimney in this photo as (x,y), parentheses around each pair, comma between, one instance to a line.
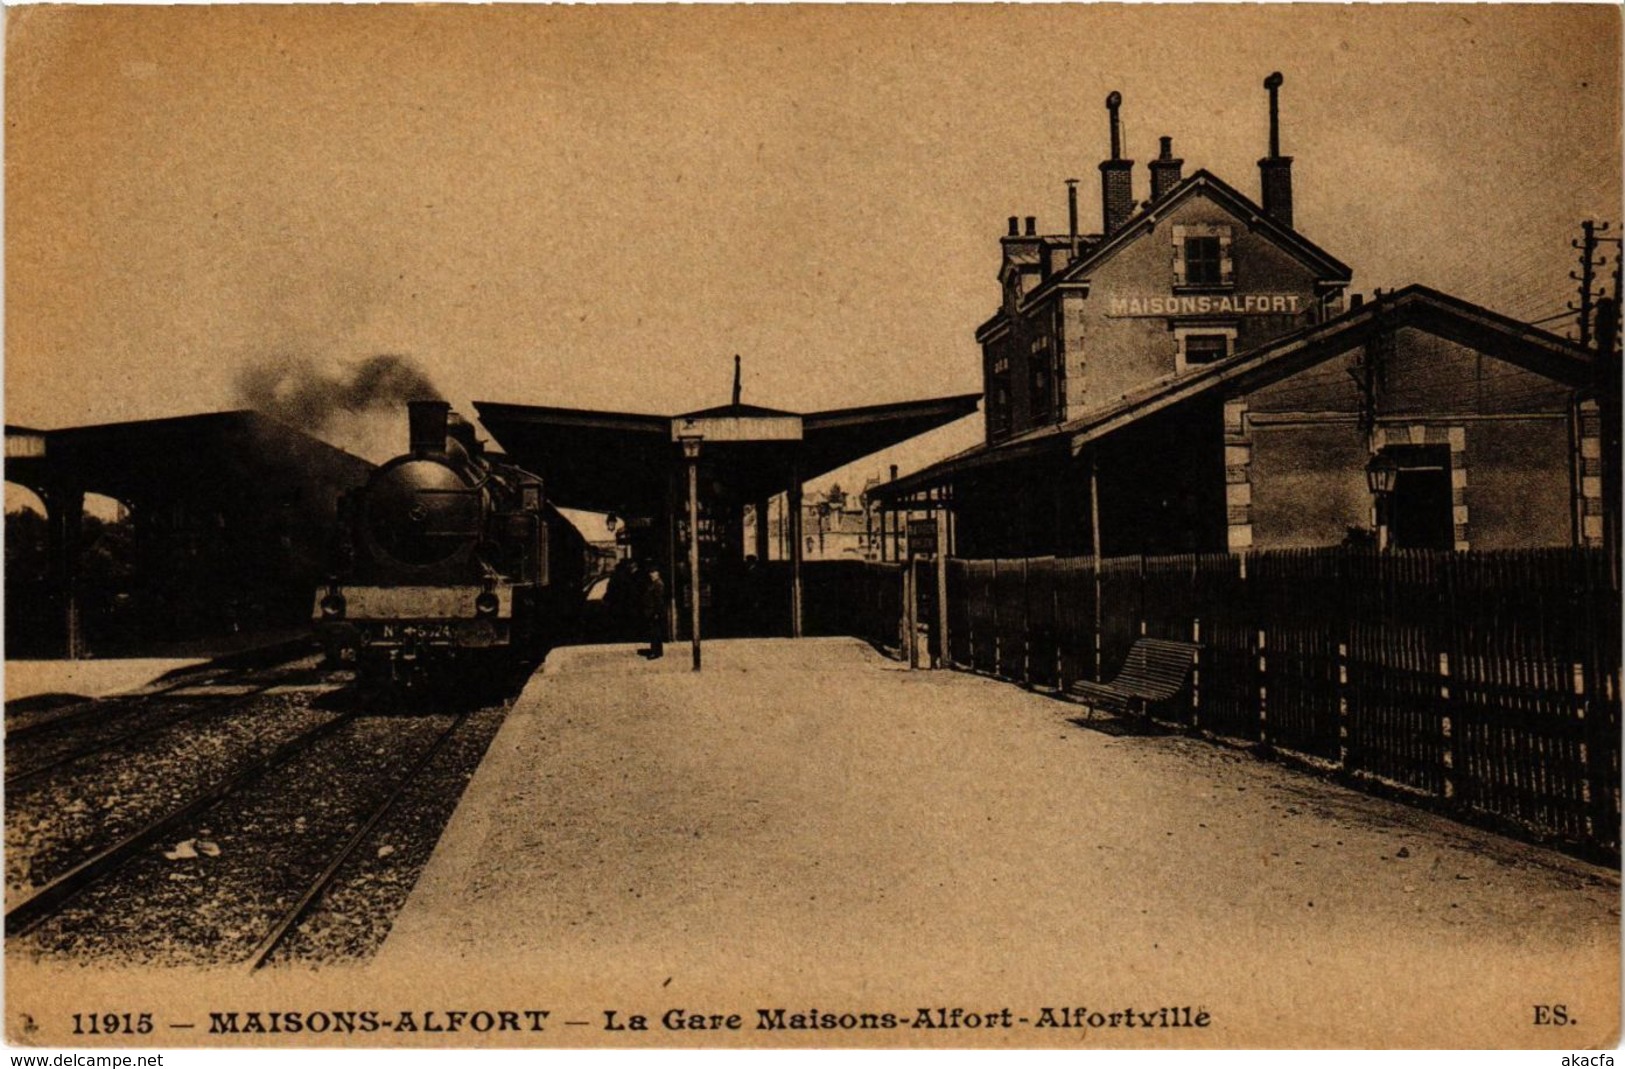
(1072,215)
(1166,171)
(1275,170)
(1116,177)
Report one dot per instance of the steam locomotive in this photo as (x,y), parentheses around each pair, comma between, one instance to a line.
(447,560)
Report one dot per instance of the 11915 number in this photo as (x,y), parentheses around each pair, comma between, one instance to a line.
(112,1024)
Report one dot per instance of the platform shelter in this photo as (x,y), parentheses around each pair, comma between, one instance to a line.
(665,475)
(231,514)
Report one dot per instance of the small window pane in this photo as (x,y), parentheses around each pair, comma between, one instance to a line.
(1202,262)
(1205,348)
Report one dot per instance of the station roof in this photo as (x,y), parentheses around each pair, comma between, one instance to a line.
(222,455)
(621,461)
(1420,307)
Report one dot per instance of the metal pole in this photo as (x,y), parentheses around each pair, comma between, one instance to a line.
(1094,528)
(911,613)
(793,503)
(65,510)
(761,510)
(694,558)
(943,660)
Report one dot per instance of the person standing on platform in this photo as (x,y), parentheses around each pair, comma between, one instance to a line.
(654,613)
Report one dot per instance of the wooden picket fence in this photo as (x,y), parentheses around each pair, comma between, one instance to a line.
(1487,682)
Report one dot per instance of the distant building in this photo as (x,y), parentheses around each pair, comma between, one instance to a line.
(835,525)
(1191,379)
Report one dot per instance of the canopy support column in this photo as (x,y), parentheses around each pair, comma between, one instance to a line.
(793,507)
(65,510)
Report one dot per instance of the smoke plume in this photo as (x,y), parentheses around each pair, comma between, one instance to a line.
(359,406)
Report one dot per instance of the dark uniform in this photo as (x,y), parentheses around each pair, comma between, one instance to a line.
(654,613)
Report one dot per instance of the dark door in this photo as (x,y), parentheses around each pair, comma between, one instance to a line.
(1422,515)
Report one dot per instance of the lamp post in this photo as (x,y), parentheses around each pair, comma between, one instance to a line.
(1381,475)
(691,453)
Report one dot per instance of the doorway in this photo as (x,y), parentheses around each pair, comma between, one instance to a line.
(1421,510)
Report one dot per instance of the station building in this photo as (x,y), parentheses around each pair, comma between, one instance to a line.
(1194,378)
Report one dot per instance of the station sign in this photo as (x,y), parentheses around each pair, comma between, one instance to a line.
(922,538)
(779,428)
(1201,304)
(21,444)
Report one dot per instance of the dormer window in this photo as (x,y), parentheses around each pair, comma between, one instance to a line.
(1202,262)
(1202,257)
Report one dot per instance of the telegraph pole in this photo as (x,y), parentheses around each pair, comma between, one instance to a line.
(1591,232)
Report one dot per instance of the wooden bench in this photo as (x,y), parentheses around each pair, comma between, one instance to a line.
(1154,671)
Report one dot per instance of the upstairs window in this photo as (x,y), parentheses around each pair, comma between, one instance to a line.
(1202,262)
(1202,256)
(1041,393)
(998,408)
(998,397)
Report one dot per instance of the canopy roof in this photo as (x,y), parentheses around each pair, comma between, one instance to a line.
(228,457)
(621,461)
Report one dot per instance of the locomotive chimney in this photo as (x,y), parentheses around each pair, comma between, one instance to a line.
(1116,176)
(1275,170)
(427,425)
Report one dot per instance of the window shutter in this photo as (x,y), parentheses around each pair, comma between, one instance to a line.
(1226,265)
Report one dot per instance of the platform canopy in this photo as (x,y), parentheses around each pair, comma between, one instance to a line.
(220,456)
(620,461)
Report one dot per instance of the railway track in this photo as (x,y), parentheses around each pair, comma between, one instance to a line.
(31,911)
(128,880)
(279,931)
(72,754)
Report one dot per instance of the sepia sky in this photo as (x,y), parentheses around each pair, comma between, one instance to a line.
(598,207)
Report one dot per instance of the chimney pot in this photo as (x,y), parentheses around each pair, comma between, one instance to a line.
(1014,226)
(1116,177)
(1275,170)
(894,466)
(1114,100)
(1166,171)
(1275,181)
(1072,216)
(1032,225)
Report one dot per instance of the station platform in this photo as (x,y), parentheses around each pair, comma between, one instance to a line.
(804,822)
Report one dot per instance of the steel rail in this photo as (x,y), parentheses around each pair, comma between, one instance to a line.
(231,704)
(318,886)
(44,901)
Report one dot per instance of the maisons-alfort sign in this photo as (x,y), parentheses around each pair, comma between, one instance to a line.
(1185,304)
